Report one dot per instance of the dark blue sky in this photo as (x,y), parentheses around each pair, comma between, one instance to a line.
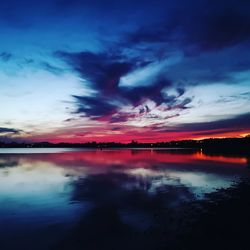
(120,70)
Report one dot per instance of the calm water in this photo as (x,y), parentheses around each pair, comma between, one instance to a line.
(92,199)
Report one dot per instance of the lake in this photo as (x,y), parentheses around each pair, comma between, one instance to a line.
(105,199)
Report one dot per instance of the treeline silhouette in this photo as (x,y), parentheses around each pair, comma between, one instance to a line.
(212,144)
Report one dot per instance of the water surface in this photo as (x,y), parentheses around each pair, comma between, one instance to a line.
(96,199)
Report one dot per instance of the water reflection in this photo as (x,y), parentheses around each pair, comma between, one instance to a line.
(57,195)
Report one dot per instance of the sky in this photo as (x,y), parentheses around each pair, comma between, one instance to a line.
(112,70)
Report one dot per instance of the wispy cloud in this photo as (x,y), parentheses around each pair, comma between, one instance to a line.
(9,131)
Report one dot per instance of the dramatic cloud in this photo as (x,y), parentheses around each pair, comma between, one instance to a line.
(103,72)
(207,25)
(237,123)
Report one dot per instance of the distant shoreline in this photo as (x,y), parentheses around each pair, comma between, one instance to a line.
(133,143)
(225,145)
